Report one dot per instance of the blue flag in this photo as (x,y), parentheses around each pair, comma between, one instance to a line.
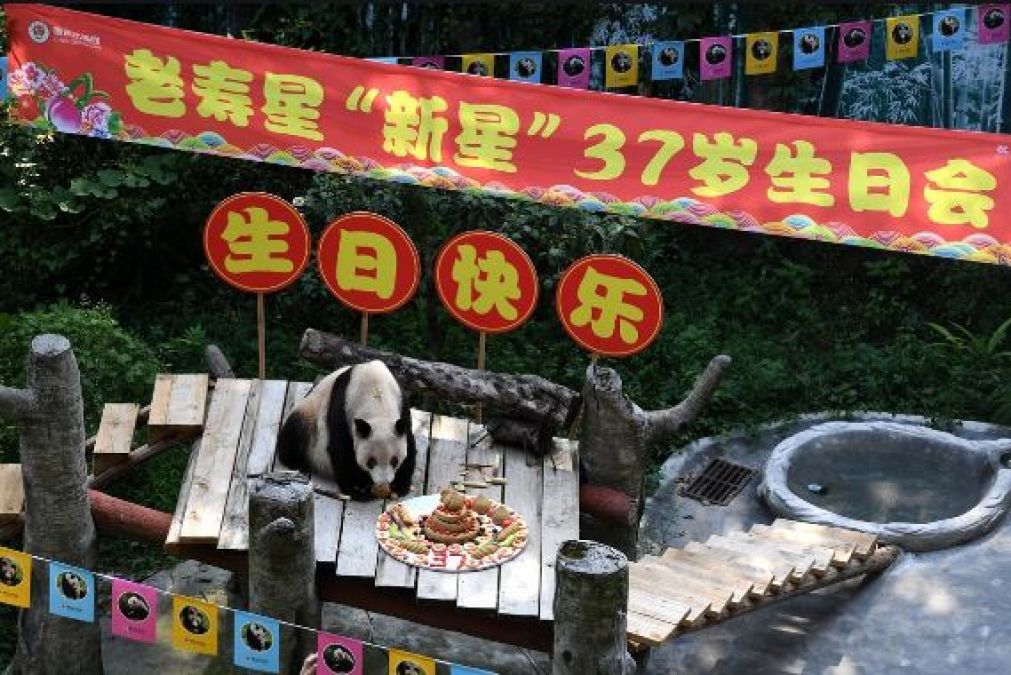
(467,670)
(392,60)
(71,592)
(3,78)
(808,48)
(949,30)
(668,61)
(257,642)
(525,66)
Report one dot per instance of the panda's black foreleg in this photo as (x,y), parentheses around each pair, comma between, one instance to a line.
(293,444)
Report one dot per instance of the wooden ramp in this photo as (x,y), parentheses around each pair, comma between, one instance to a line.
(238,443)
(705,584)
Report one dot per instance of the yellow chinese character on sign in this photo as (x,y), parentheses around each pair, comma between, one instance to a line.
(291,102)
(223,92)
(412,127)
(367,262)
(155,87)
(486,137)
(602,305)
(494,280)
(800,185)
(254,244)
(958,200)
(879,181)
(723,163)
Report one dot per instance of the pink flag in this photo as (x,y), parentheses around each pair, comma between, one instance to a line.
(716,57)
(854,41)
(433,62)
(993,23)
(574,68)
(134,611)
(338,655)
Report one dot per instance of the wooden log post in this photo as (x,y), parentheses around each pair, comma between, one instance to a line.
(49,414)
(591,601)
(282,560)
(617,436)
(217,363)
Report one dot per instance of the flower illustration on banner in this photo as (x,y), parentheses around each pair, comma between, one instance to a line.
(75,107)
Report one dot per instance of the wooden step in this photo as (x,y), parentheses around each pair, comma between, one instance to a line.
(178,405)
(12,492)
(821,555)
(722,597)
(648,631)
(865,542)
(765,557)
(663,609)
(706,562)
(842,551)
(738,587)
(115,435)
(698,605)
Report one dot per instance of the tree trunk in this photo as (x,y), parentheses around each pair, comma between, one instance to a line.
(617,436)
(282,560)
(523,396)
(591,600)
(58,524)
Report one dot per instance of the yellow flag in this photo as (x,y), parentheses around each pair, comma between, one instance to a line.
(479,64)
(402,663)
(762,53)
(194,625)
(622,67)
(15,578)
(902,37)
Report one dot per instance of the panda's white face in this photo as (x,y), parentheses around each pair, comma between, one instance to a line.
(380,447)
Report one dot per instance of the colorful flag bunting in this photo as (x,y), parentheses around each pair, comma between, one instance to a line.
(134,611)
(949,30)
(622,66)
(809,48)
(71,592)
(716,57)
(854,41)
(993,23)
(479,64)
(391,60)
(338,655)
(668,61)
(257,644)
(406,663)
(3,78)
(433,62)
(902,37)
(761,53)
(194,625)
(467,670)
(574,68)
(525,66)
(15,578)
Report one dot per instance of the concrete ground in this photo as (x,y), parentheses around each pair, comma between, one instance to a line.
(943,612)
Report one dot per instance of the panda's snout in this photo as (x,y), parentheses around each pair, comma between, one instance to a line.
(382,491)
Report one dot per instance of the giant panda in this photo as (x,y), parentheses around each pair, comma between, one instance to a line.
(354,426)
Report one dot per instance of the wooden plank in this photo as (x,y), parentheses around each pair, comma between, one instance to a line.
(328,520)
(658,578)
(268,424)
(158,414)
(842,551)
(12,492)
(358,546)
(390,571)
(234,525)
(821,555)
(761,580)
(115,435)
(519,584)
(446,454)
(781,569)
(865,542)
(172,540)
(479,590)
(802,564)
(664,609)
(740,587)
(205,507)
(559,514)
(647,630)
(698,607)
(296,392)
(178,404)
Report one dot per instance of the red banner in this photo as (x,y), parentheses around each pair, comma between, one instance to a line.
(895,187)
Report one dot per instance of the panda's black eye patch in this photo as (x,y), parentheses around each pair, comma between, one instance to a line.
(362,427)
(400,427)
(394,462)
(371,463)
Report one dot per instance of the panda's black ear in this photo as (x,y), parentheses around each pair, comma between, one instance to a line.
(401,426)
(362,427)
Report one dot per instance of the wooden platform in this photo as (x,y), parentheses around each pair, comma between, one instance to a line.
(238,443)
(705,584)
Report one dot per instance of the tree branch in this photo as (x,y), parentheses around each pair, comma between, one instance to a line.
(663,423)
(15,403)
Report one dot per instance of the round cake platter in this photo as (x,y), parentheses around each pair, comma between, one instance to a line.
(494,544)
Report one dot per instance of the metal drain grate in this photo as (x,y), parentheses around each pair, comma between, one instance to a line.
(719,483)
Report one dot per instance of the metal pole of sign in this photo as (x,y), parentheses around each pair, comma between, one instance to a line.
(261,335)
(481,340)
(364,336)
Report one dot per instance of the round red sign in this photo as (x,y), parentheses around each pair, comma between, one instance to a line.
(368,262)
(486,281)
(256,242)
(609,305)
